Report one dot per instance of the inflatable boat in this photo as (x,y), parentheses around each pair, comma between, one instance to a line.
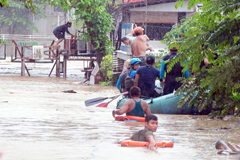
(166,104)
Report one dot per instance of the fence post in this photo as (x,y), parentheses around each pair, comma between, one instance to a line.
(57,63)
(22,62)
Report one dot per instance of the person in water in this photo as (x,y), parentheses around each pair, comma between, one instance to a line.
(134,106)
(227,148)
(146,76)
(151,124)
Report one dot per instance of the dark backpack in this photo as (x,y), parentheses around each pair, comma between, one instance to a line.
(129,81)
(123,76)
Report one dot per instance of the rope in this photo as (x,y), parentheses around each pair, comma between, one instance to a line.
(92,154)
(201,154)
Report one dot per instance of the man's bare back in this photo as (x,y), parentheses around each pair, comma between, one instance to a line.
(138,46)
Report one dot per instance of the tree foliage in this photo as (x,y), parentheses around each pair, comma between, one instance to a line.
(97,22)
(214,30)
(16,15)
(106,69)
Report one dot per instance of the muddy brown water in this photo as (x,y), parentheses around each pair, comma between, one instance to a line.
(40,122)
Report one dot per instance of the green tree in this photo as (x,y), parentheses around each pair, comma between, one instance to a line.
(16,16)
(213,30)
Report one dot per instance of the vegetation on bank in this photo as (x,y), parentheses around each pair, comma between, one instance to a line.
(106,69)
(212,33)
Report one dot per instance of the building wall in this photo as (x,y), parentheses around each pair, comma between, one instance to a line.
(154,17)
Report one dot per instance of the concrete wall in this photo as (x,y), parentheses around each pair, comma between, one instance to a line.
(154,17)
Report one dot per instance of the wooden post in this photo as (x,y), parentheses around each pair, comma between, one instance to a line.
(57,63)
(65,57)
(22,62)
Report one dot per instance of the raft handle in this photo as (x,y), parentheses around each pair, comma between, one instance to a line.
(151,100)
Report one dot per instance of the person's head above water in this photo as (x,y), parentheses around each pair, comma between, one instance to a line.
(151,122)
(135,91)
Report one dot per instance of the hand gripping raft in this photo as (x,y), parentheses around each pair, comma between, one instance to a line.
(132,143)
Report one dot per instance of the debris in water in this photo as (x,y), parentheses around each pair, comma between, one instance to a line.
(69,91)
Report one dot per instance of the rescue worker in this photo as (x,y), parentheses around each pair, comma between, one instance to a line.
(124,86)
(121,80)
(171,83)
(146,77)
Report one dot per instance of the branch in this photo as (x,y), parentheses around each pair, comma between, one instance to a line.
(74,6)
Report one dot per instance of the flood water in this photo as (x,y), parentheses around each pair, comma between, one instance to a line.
(40,122)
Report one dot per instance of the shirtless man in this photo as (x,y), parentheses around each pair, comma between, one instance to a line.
(138,45)
(127,40)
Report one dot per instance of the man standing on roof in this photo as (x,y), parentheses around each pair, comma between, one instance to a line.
(146,76)
(151,124)
(134,106)
(171,83)
(59,32)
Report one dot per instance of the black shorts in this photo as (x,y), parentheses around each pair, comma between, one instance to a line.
(59,35)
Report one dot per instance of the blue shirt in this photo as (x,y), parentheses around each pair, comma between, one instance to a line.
(147,76)
(177,72)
